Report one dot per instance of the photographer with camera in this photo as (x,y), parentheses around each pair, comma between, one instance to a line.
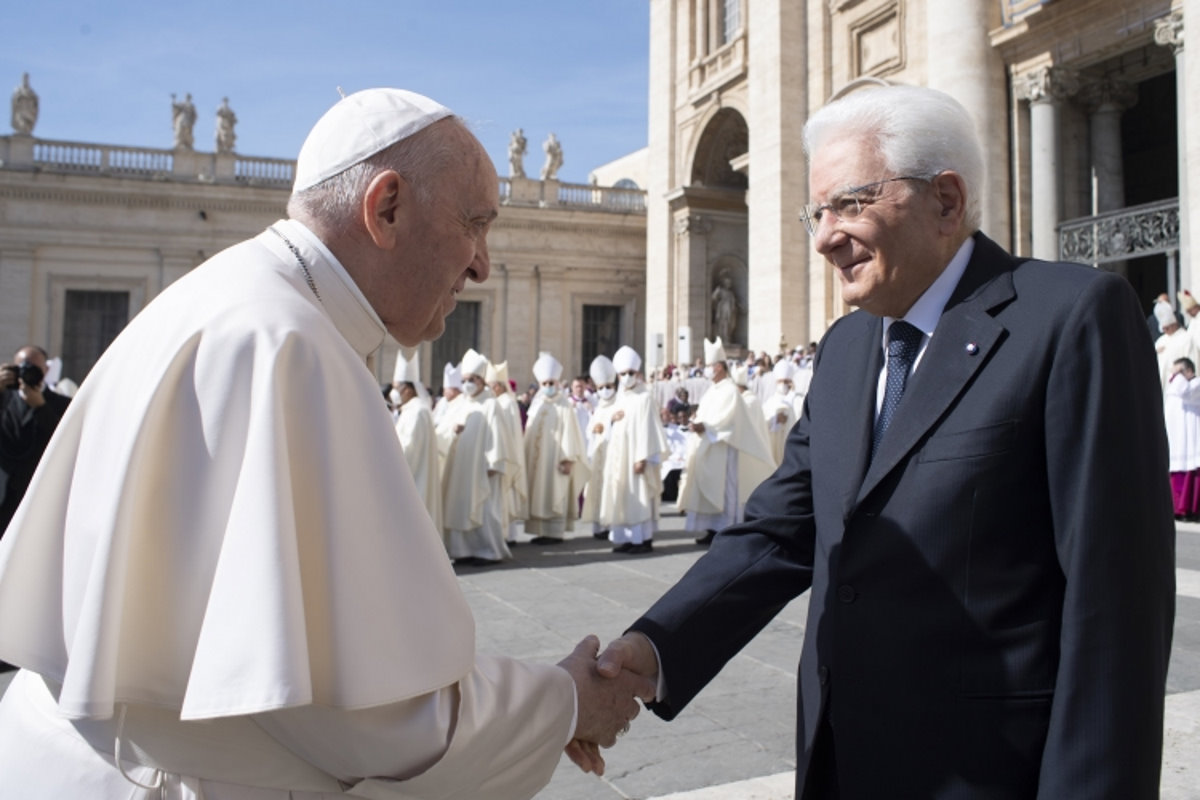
(29,413)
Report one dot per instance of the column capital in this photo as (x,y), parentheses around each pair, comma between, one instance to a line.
(692,225)
(1108,94)
(1047,84)
(1168,31)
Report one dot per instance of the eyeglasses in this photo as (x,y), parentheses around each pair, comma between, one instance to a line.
(848,205)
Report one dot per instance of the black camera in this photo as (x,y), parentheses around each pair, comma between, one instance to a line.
(30,374)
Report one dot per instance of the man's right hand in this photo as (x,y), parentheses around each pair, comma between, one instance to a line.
(632,652)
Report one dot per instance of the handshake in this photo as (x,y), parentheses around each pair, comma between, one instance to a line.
(608,687)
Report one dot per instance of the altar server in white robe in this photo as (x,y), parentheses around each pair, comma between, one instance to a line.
(516,483)
(727,455)
(597,433)
(636,449)
(414,427)
(206,587)
(555,457)
(479,456)
(780,408)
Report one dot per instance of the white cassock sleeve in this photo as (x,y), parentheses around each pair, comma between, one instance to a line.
(498,733)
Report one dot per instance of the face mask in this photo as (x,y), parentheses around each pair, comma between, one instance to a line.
(708,373)
(471,388)
(629,381)
(550,390)
(605,392)
(394,396)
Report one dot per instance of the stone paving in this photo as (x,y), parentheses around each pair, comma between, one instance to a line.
(735,741)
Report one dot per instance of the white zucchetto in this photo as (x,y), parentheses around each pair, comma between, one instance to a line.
(358,127)
(626,359)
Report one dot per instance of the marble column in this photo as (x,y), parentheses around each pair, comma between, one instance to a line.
(1106,100)
(1045,89)
(1168,32)
(963,63)
(691,261)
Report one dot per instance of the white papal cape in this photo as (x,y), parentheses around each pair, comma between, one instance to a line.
(223,563)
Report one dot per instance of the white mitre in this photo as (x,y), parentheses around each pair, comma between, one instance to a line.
(785,370)
(497,373)
(627,359)
(408,366)
(739,374)
(714,351)
(473,364)
(602,370)
(451,377)
(358,127)
(547,368)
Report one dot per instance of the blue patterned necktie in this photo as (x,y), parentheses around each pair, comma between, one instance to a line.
(904,341)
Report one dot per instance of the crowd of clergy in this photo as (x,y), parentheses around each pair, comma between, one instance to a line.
(601,453)
(1178,348)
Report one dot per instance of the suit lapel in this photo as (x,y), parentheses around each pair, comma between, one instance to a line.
(964,338)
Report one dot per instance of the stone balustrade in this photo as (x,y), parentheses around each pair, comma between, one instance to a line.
(28,153)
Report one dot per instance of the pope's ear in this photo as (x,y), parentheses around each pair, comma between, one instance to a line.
(384,206)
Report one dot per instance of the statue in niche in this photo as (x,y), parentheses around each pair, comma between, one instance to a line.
(554,158)
(226,119)
(724,308)
(24,107)
(183,119)
(516,154)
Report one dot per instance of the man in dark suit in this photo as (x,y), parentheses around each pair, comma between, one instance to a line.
(992,562)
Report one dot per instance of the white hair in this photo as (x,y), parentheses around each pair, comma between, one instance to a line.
(918,131)
(420,159)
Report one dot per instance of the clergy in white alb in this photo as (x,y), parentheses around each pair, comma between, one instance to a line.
(555,457)
(597,432)
(1181,411)
(516,482)
(446,414)
(636,449)
(1174,343)
(740,375)
(452,386)
(414,428)
(779,409)
(222,582)
(727,455)
(479,455)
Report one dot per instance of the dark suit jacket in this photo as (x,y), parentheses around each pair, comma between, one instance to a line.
(993,596)
(24,434)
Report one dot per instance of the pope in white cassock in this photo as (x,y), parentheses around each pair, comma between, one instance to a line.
(555,457)
(780,408)
(516,482)
(604,376)
(727,454)
(414,427)
(222,582)
(479,456)
(637,446)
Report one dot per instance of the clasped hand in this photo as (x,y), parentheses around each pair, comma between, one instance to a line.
(608,689)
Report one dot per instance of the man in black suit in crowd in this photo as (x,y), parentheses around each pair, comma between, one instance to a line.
(992,562)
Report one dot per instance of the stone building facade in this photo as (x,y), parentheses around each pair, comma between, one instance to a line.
(1082,106)
(91,233)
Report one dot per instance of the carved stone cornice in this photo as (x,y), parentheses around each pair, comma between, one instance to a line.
(1168,31)
(1108,93)
(692,225)
(1047,84)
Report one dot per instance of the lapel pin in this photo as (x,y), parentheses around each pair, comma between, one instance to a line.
(972,348)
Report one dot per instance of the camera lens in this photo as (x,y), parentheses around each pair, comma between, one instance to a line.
(30,374)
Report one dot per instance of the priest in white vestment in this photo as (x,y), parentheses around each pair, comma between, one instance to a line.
(597,433)
(1181,412)
(636,449)
(1174,343)
(222,582)
(516,482)
(414,427)
(451,390)
(555,457)
(727,455)
(779,409)
(479,456)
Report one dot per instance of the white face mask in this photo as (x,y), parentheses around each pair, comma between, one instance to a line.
(550,390)
(629,381)
(708,373)
(605,392)
(471,388)
(394,396)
